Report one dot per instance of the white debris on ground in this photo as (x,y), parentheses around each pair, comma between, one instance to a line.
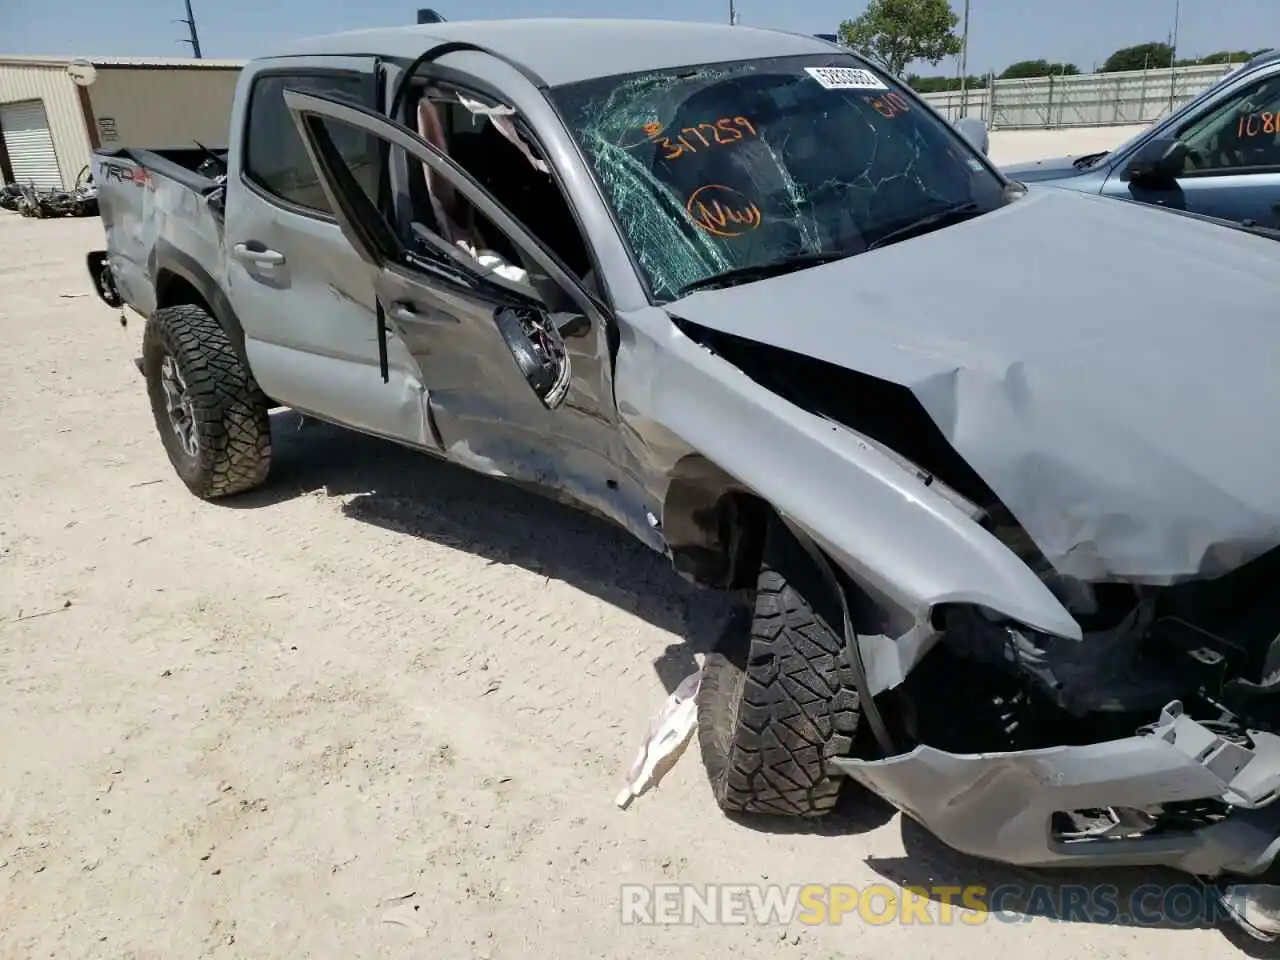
(670,731)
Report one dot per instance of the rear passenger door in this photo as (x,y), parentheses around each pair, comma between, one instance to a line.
(303,295)
(515,361)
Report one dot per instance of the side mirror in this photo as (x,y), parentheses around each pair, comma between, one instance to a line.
(538,350)
(1157,162)
(975,131)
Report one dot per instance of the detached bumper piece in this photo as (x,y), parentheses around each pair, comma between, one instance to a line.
(1255,907)
(1179,795)
(103,280)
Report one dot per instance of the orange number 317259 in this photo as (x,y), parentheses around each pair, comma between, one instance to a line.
(705,135)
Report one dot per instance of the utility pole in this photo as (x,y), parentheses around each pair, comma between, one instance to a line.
(1173,52)
(964,65)
(733,14)
(190,21)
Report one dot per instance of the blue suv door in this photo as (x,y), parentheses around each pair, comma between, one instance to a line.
(1233,156)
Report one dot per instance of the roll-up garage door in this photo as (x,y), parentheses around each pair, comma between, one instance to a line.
(29,144)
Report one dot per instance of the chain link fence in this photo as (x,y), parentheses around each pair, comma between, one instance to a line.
(1086,100)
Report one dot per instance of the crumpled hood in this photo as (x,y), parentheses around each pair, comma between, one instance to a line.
(1036,171)
(1111,371)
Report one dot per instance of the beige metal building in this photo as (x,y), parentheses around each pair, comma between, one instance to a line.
(55,110)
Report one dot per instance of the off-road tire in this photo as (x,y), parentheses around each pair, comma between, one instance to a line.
(777,697)
(230,413)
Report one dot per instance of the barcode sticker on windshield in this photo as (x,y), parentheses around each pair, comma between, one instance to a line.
(845,78)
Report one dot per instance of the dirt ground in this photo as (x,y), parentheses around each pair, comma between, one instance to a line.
(379,709)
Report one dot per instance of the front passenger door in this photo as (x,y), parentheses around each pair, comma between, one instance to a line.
(516,385)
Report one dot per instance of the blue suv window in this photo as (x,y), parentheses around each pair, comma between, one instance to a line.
(1240,135)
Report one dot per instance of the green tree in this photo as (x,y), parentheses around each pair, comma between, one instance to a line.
(943,84)
(898,32)
(1222,56)
(1024,69)
(1140,57)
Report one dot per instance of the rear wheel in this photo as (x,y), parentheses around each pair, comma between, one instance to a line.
(778,697)
(212,418)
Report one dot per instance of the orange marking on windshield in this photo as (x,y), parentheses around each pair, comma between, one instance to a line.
(699,137)
(722,211)
(889,105)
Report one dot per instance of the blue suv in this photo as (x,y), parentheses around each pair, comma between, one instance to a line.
(1218,155)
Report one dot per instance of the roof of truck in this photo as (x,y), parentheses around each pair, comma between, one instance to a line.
(564,50)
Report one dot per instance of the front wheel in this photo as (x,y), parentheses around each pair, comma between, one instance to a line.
(778,698)
(212,417)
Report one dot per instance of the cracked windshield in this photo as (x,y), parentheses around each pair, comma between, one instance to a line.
(735,171)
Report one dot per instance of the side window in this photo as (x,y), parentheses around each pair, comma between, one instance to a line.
(486,140)
(438,228)
(1241,135)
(274,156)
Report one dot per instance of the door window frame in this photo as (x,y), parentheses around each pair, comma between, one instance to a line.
(458,81)
(377,241)
(1117,161)
(260,190)
(1234,97)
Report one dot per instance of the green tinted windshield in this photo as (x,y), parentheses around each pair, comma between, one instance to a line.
(741,165)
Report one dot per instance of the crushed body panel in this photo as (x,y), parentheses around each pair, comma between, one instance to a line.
(1001,806)
(1089,425)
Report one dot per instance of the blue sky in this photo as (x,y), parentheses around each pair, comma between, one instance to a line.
(1001,31)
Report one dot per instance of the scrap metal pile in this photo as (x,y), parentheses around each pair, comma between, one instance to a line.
(31,201)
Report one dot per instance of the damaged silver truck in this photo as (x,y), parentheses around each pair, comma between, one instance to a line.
(992,463)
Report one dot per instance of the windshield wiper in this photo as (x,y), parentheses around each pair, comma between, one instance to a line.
(760,271)
(932,221)
(1088,160)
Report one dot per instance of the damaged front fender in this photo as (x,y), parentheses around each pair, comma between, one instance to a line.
(891,533)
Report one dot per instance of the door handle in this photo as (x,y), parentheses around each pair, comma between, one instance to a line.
(256,253)
(405,312)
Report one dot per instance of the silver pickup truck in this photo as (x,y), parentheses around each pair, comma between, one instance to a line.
(996,467)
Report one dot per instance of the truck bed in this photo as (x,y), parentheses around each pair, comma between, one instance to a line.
(151,199)
(187,165)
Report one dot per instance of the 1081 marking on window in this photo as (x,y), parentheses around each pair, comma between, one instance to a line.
(1258,123)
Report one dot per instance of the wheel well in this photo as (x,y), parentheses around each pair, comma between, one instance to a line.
(714,526)
(173,288)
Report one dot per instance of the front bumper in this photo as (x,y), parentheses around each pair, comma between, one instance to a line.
(1001,806)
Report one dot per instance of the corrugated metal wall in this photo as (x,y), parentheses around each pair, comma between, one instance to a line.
(61,105)
(162,106)
(28,144)
(1091,99)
